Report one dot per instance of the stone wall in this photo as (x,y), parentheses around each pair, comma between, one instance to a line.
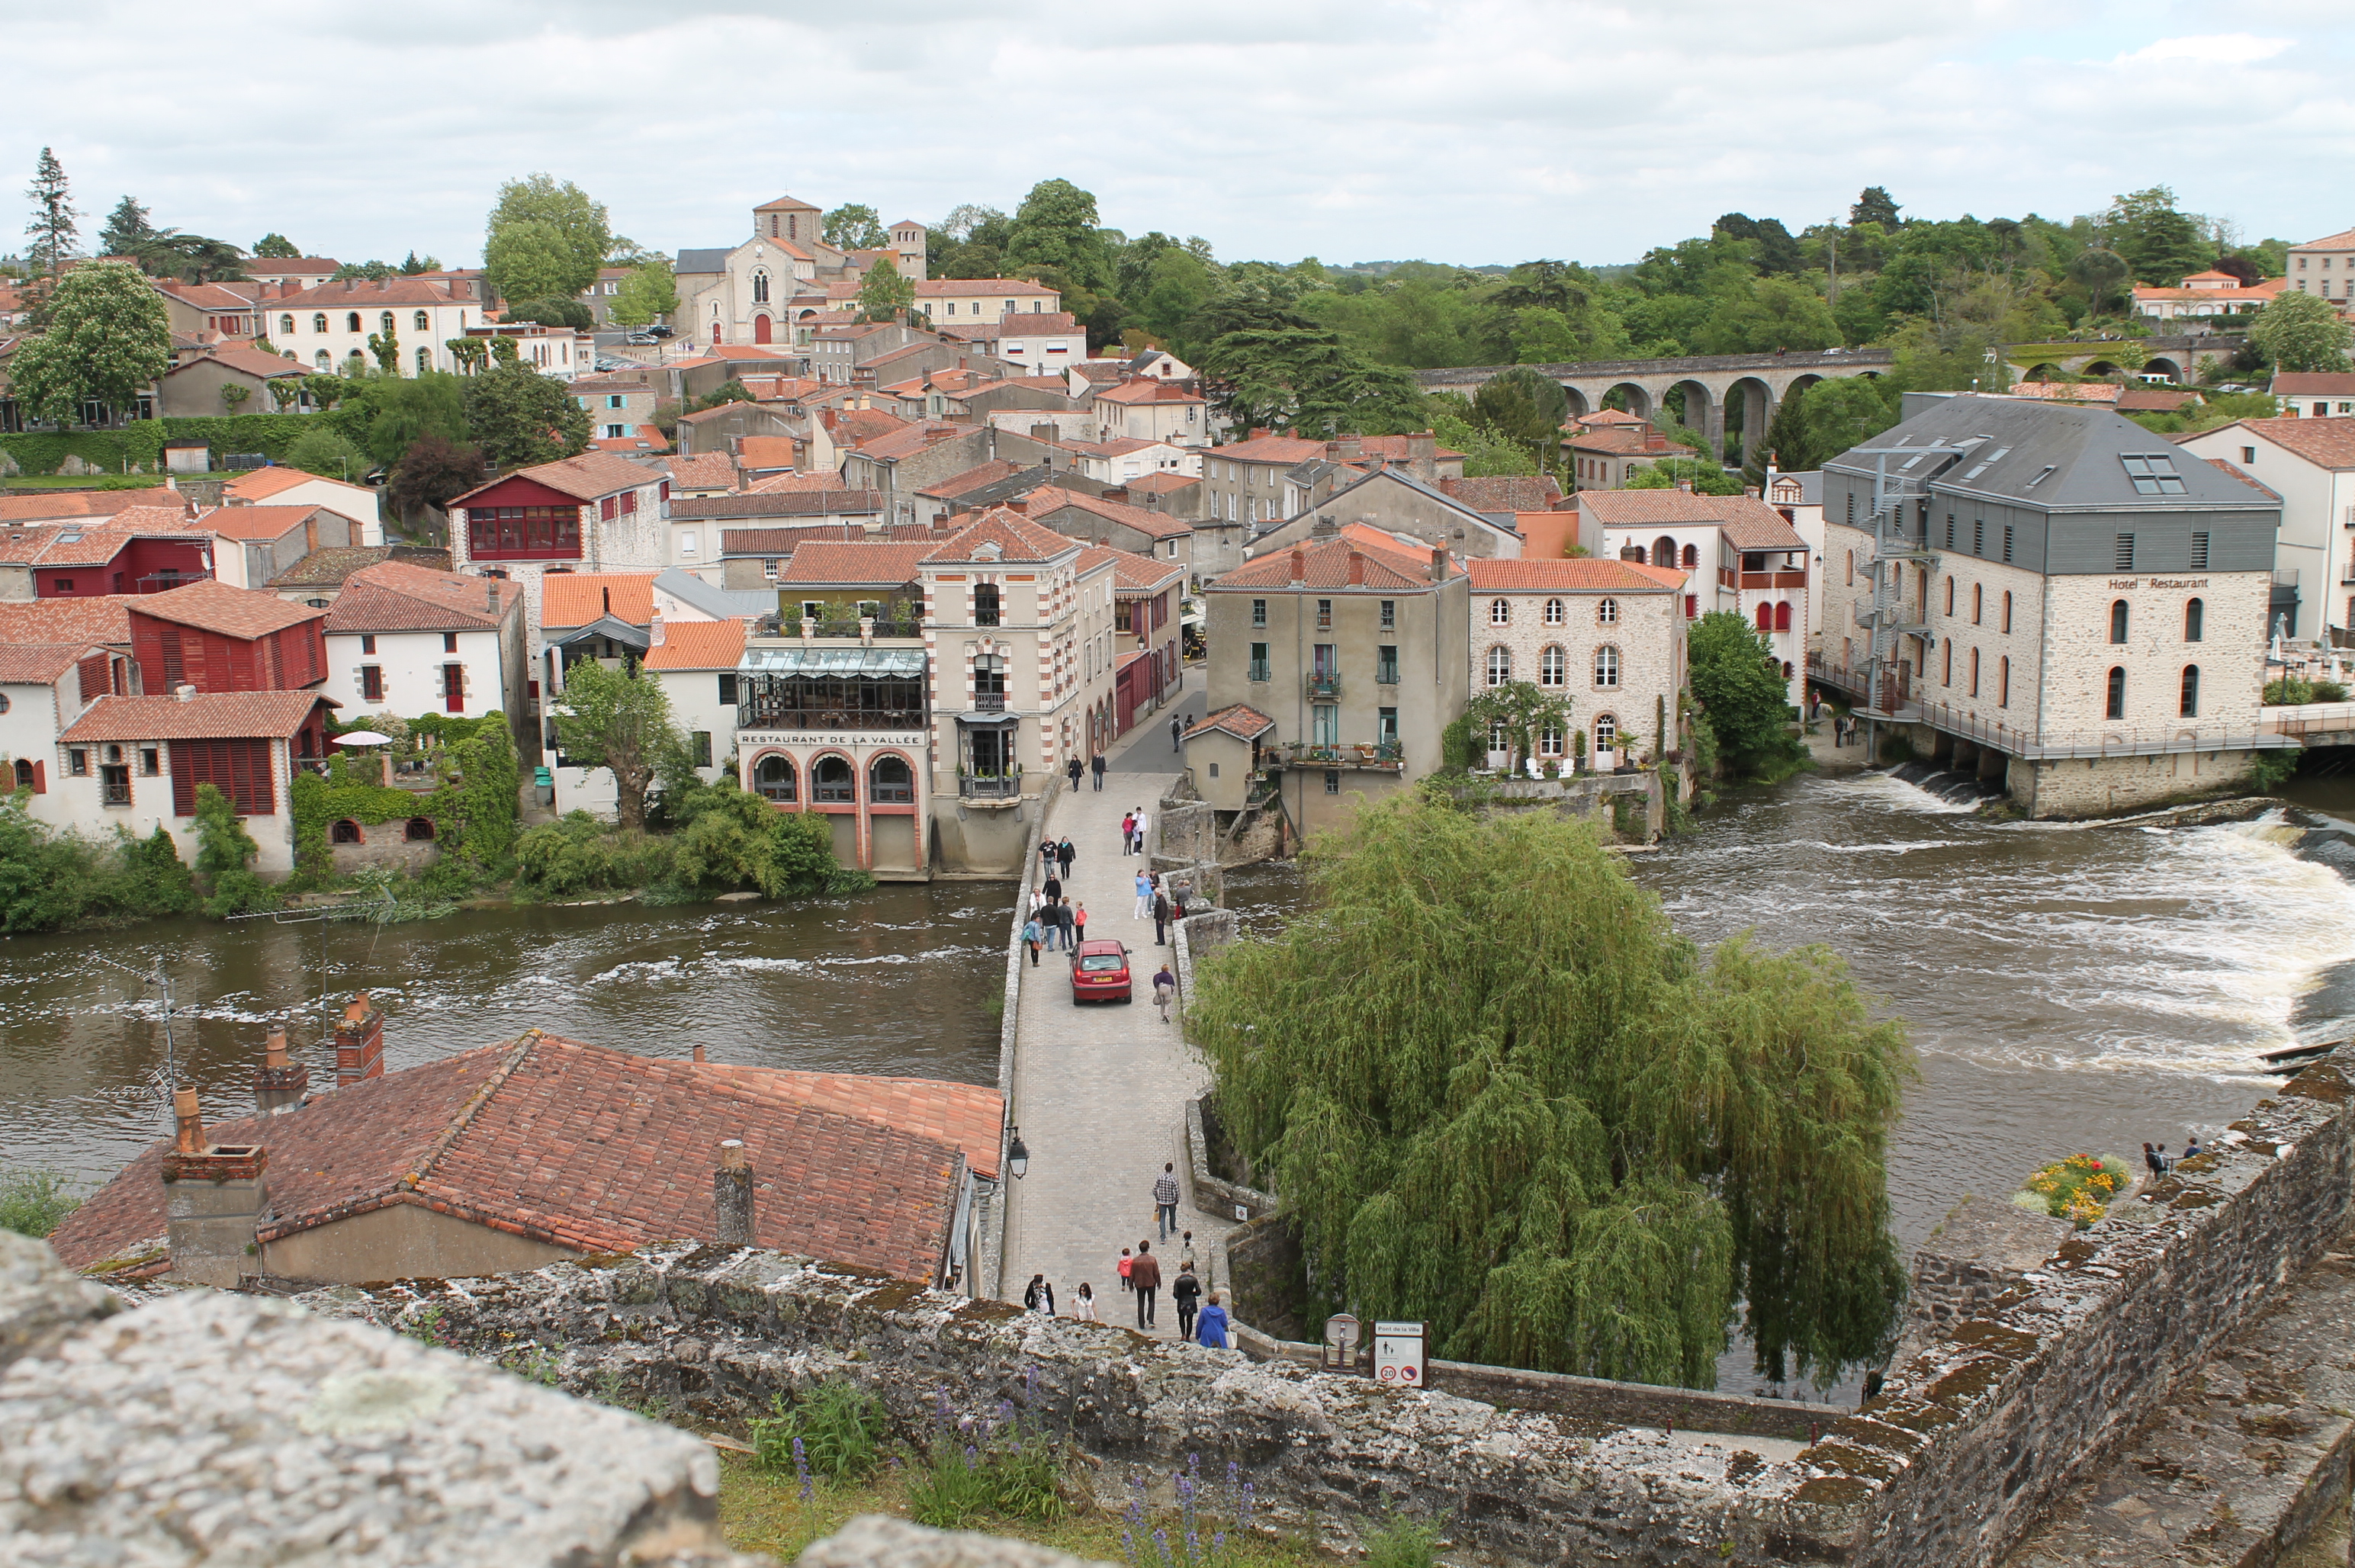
(1212,1191)
(2104,787)
(1263,1274)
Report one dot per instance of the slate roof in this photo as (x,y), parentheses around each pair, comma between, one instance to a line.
(211,606)
(208,716)
(719,604)
(697,644)
(1576,575)
(598,1150)
(577,598)
(1240,719)
(973,479)
(704,260)
(393,596)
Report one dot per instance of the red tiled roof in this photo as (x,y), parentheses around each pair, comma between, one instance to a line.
(697,644)
(1161,481)
(910,440)
(790,481)
(942,288)
(703,471)
(394,596)
(594,1149)
(2313,384)
(260,484)
(1615,441)
(2328,443)
(972,479)
(2342,240)
(577,598)
(97,618)
(259,522)
(1505,493)
(1324,563)
(1017,538)
(1133,575)
(40,663)
(1287,450)
(855,427)
(365,294)
(252,361)
(855,564)
(1577,575)
(233,611)
(649,438)
(38,506)
(1241,720)
(590,476)
(1153,524)
(1748,522)
(208,716)
(765,451)
(1147,390)
(2246,478)
(781,542)
(756,505)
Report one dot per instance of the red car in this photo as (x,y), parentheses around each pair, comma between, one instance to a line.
(1100,971)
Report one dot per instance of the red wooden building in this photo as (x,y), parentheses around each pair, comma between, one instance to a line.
(223,639)
(74,559)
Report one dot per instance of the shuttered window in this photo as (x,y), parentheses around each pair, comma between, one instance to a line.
(238,769)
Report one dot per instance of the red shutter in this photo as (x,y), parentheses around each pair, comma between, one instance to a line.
(93,677)
(40,778)
(238,769)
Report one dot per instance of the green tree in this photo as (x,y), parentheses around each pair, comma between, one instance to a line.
(1845,412)
(2294,332)
(277,247)
(108,339)
(2163,245)
(1769,314)
(385,347)
(327,453)
(404,410)
(735,839)
(1518,714)
(555,312)
(545,240)
(883,294)
(1267,364)
(54,227)
(1500,1094)
(1704,478)
(224,853)
(127,231)
(2105,276)
(1056,226)
(648,294)
(1873,207)
(233,396)
(854,227)
(433,471)
(1526,406)
(970,242)
(617,719)
(1486,453)
(518,416)
(1740,687)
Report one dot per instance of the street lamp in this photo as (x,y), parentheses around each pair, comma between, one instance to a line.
(1018,1156)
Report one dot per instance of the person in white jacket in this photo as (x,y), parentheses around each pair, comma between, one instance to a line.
(1083,1306)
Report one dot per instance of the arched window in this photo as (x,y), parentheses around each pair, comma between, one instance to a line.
(1606,612)
(2006,609)
(2190,704)
(343,830)
(1606,731)
(1782,614)
(424,361)
(1555,613)
(761,286)
(1950,596)
(1606,666)
(23,773)
(1765,617)
(1851,568)
(1553,666)
(1633,553)
(1975,672)
(1978,601)
(352,321)
(324,363)
(319,322)
(384,322)
(421,322)
(1500,665)
(774,778)
(2195,618)
(2117,620)
(1500,612)
(836,783)
(2003,682)
(890,782)
(1664,551)
(285,326)
(1947,663)
(418,830)
(1692,555)
(2116,707)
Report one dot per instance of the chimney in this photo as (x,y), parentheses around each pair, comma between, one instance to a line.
(360,1042)
(653,632)
(1439,564)
(491,595)
(606,599)
(279,1087)
(1686,486)
(214,1197)
(1423,456)
(1256,432)
(382,284)
(1299,565)
(1357,569)
(732,1195)
(1348,448)
(184,693)
(698,1051)
(1655,439)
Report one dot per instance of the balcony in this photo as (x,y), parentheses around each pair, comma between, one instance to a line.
(1325,684)
(861,629)
(1386,756)
(989,702)
(991,787)
(165,581)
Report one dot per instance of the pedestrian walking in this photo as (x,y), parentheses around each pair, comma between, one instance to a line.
(1068,926)
(1032,936)
(1128,1262)
(1186,1293)
(1096,766)
(1212,1330)
(1083,1306)
(1054,927)
(1078,927)
(2150,1158)
(1137,833)
(1144,896)
(1052,888)
(1047,855)
(1039,1296)
(1164,990)
(1176,733)
(1145,1278)
(1165,1197)
(1065,854)
(1128,833)
(1161,920)
(1074,769)
(2165,1164)
(1186,1250)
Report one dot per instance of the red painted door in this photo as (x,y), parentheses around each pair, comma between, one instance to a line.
(453,688)
(761,329)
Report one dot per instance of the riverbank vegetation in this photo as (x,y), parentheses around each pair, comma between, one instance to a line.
(35,1203)
(1743,699)
(1499,1093)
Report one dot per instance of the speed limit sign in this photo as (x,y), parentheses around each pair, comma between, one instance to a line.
(1398,1354)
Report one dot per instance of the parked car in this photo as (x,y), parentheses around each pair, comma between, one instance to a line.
(642,338)
(658,330)
(1100,972)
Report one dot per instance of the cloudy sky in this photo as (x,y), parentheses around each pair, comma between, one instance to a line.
(1471,131)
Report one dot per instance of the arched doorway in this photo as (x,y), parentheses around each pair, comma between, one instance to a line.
(715,332)
(760,331)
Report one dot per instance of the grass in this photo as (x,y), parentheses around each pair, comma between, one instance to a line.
(83,482)
(34,1202)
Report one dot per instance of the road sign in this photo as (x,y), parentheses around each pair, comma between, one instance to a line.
(1398,1354)
(1342,1335)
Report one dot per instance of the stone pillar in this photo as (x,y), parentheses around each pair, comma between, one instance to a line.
(214,1197)
(360,1042)
(280,1084)
(731,1196)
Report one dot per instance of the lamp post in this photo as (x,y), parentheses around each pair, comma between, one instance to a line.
(1018,1156)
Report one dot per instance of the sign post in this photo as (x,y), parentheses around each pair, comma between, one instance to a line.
(1398,1354)
(1343,1334)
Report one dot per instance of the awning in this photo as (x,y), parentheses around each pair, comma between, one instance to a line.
(619,630)
(834,661)
(976,719)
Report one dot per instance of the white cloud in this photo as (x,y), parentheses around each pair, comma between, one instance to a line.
(1460,130)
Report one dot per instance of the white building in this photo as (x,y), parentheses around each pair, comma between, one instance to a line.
(696,661)
(2308,463)
(1738,554)
(407,640)
(1606,636)
(41,693)
(2326,267)
(328,326)
(275,486)
(1144,408)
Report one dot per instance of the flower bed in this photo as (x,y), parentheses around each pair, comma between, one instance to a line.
(2079,1188)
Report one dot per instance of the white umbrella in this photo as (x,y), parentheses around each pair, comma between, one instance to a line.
(362,738)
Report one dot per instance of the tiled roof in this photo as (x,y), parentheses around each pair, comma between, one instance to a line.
(587,478)
(1578,575)
(778,503)
(39,507)
(782,483)
(577,598)
(1240,719)
(765,451)
(855,564)
(259,522)
(233,611)
(1154,525)
(1161,482)
(910,440)
(972,479)
(697,644)
(1324,563)
(599,1150)
(1131,574)
(944,288)
(2313,384)
(260,484)
(2329,443)
(367,294)
(395,597)
(855,427)
(1287,450)
(208,716)
(2238,473)
(1506,492)
(1017,538)
(780,542)
(1146,390)
(740,351)
(96,618)
(1749,523)
(1617,441)
(2103,392)
(2342,240)
(1393,447)
(703,471)
(252,361)
(333,567)
(39,664)
(624,381)
(648,439)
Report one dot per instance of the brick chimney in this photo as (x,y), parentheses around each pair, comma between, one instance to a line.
(279,1087)
(654,631)
(360,1042)
(1439,564)
(1655,439)
(731,1196)
(214,1197)
(1357,570)
(1299,565)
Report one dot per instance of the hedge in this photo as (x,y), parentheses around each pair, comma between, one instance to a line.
(142,442)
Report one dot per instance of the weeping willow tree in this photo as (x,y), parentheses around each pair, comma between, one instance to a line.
(1500,1094)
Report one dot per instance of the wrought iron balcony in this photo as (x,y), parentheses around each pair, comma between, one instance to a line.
(990,787)
(1385,756)
(1324,683)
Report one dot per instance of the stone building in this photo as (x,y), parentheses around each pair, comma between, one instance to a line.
(2067,603)
(1607,636)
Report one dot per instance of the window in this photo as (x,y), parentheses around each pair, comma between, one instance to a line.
(1500,612)
(367,641)
(78,762)
(1766,617)
(384,324)
(1606,666)
(1324,614)
(1692,606)
(772,779)
(1950,530)
(2006,609)
(351,321)
(1386,726)
(1851,568)
(1389,615)
(836,783)
(1692,555)
(1499,665)
(629,502)
(424,361)
(1556,613)
(1978,601)
(1606,612)
(2003,682)
(1325,719)
(115,780)
(699,743)
(371,684)
(892,782)
(319,322)
(151,761)
(421,322)
(1386,663)
(2123,557)
(760,287)
(2116,706)
(1975,672)
(985,604)
(1553,666)
(2199,552)
(1946,662)
(321,358)
(1606,733)
(2007,541)
(1950,596)
(1332,781)
(769,569)
(2195,616)
(2117,620)
(1259,670)
(449,642)
(2248,454)
(1550,740)
(2190,705)
(2153,473)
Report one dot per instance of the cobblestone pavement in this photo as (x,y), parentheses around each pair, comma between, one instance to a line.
(1099,1090)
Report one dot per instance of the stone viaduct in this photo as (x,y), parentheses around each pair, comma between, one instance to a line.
(1744,390)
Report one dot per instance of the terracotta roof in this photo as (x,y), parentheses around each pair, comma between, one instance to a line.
(1161,481)
(208,716)
(649,439)
(1506,492)
(2328,443)
(1617,440)
(334,566)
(610,382)
(252,361)
(1240,719)
(855,564)
(1608,417)
(587,478)
(944,288)
(394,596)
(973,479)
(2242,474)
(782,542)
(2235,295)
(598,1150)
(703,471)
(735,351)
(1017,538)
(1577,575)
(40,507)
(765,451)
(785,204)
(260,484)
(260,522)
(777,483)
(96,618)
(2342,240)
(1131,574)
(577,598)
(2068,391)
(778,503)
(697,644)
(245,613)
(40,663)
(910,440)
(1324,563)
(1154,525)
(856,426)
(1748,522)
(2313,384)
(365,294)
(1146,390)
